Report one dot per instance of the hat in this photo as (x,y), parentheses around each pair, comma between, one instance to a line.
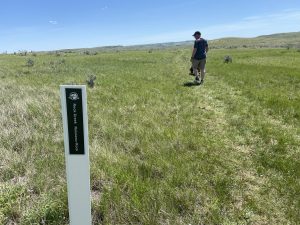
(197,33)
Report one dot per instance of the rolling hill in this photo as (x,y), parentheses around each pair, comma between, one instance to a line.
(281,40)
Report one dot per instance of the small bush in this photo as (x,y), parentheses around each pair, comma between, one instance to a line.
(62,61)
(24,53)
(227,59)
(30,63)
(91,81)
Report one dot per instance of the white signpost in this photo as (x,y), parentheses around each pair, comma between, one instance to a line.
(75,124)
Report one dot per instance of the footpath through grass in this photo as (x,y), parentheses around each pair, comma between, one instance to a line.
(161,152)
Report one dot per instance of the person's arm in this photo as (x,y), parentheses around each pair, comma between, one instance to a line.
(194,52)
(206,48)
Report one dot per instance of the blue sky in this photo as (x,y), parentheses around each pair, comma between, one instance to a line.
(59,24)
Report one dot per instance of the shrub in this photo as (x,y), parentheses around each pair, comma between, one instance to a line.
(91,81)
(30,63)
(23,53)
(227,59)
(62,61)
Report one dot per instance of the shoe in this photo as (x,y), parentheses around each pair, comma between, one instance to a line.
(202,81)
(197,80)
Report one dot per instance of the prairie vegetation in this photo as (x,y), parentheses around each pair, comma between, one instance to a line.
(226,152)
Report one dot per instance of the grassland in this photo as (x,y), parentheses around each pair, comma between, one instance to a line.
(161,152)
(282,40)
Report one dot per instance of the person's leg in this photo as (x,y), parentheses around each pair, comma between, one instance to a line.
(202,68)
(191,71)
(195,68)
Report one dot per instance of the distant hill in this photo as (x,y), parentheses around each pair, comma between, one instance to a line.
(281,40)
(148,47)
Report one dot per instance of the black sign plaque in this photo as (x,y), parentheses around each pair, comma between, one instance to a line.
(75,121)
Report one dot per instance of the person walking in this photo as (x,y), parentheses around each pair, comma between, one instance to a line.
(198,58)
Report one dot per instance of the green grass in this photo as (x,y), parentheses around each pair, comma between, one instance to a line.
(161,152)
(282,40)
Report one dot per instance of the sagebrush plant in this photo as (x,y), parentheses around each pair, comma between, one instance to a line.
(226,152)
(30,63)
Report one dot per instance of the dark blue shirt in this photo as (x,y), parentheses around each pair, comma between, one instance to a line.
(200,45)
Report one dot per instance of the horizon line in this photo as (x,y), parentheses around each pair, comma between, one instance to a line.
(142,44)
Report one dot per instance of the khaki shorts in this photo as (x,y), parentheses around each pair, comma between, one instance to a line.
(199,64)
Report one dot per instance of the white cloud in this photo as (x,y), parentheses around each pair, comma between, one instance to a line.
(53,22)
(104,8)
